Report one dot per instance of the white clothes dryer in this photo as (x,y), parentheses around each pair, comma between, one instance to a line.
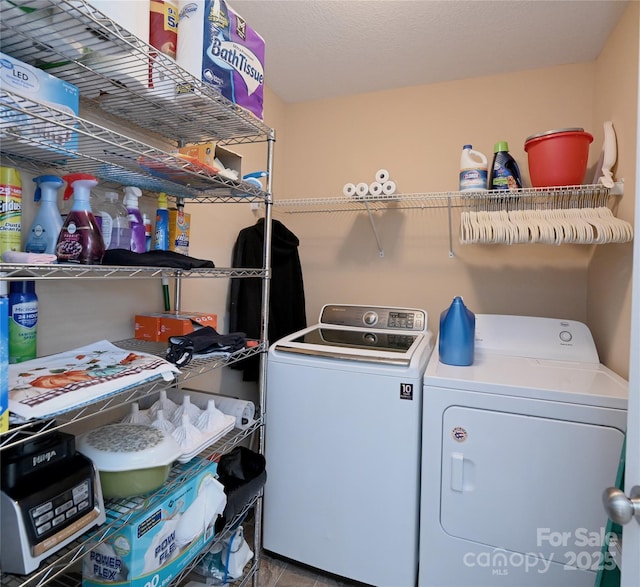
(342,442)
(517,450)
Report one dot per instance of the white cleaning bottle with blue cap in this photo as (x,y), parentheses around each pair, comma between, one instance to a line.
(473,170)
(138,238)
(46,226)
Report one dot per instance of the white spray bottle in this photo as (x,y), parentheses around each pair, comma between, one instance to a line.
(80,239)
(138,238)
(46,226)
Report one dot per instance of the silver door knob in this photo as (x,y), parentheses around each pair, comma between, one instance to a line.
(620,508)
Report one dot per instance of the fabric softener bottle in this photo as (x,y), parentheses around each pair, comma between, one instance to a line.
(505,173)
(47,224)
(457,334)
(80,239)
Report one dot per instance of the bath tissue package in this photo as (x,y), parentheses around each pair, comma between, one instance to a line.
(217,46)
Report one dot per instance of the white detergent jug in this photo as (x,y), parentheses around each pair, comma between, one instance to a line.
(473,170)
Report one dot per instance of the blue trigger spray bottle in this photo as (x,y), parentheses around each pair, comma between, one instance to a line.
(46,226)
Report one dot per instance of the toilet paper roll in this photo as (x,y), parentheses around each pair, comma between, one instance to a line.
(362,189)
(389,188)
(190,36)
(375,188)
(382,175)
(132,16)
(244,411)
(349,190)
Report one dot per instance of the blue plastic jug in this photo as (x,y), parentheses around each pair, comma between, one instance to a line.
(457,334)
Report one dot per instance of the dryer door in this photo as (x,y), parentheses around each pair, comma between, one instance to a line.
(527,484)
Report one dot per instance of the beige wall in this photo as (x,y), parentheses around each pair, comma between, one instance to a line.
(417,134)
(609,276)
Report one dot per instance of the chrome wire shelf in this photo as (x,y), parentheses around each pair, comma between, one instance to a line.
(198,366)
(61,561)
(565,196)
(75,42)
(18,272)
(39,133)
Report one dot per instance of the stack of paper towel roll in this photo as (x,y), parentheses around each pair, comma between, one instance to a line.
(382,186)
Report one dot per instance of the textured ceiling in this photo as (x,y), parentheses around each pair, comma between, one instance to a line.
(326,48)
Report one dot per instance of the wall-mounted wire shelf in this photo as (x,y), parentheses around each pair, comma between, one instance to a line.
(75,42)
(564,196)
(548,198)
(42,135)
(58,565)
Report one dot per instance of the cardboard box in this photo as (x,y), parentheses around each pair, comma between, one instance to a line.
(34,84)
(158,326)
(206,153)
(155,545)
(147,327)
(179,231)
(203,152)
(181,324)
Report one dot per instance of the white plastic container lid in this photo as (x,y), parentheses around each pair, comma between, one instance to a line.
(553,132)
(127,447)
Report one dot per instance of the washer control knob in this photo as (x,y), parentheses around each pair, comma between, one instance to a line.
(370,338)
(566,336)
(370,318)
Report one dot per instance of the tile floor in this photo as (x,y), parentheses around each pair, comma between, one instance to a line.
(275,572)
(278,572)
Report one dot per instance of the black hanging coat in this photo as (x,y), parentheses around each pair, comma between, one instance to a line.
(286,303)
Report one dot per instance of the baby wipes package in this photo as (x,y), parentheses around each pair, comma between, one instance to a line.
(26,83)
(154,546)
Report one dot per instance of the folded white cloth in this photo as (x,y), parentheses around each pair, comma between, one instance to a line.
(28,258)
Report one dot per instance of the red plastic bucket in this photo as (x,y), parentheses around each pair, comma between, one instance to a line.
(558,157)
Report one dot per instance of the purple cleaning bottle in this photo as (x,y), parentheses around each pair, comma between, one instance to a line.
(138,237)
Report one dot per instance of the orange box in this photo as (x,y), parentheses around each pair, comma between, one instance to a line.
(181,324)
(158,327)
(147,327)
(203,152)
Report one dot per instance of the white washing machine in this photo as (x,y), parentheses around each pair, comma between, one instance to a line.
(517,450)
(343,426)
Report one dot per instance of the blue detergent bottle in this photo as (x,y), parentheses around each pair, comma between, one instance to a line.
(46,226)
(457,334)
(505,173)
